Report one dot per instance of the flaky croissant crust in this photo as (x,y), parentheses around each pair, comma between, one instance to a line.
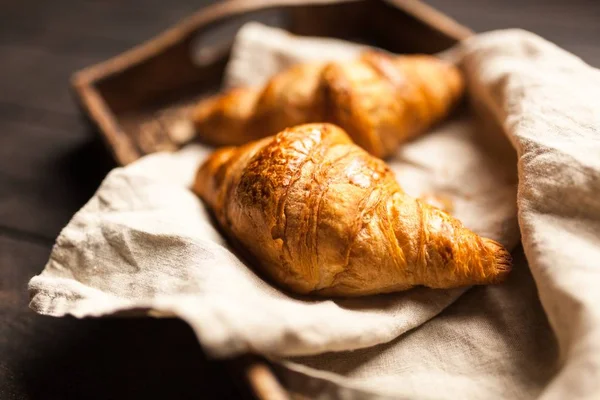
(318,214)
(379,99)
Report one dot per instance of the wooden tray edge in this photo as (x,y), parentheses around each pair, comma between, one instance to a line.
(434,18)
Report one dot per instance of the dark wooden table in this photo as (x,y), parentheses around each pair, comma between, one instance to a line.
(50,164)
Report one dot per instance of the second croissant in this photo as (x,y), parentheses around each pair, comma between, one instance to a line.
(379,99)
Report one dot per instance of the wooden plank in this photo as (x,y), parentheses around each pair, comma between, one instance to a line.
(572,25)
(49,167)
(129,21)
(36,78)
(43,43)
(37,65)
(49,358)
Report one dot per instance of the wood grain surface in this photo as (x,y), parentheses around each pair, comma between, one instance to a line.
(50,164)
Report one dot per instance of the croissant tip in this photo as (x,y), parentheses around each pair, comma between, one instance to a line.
(502,260)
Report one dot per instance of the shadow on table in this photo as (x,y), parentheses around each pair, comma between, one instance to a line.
(85,167)
(119,359)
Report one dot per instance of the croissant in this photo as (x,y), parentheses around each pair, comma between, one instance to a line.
(318,214)
(380,100)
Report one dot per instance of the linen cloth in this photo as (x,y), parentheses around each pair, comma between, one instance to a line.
(144,242)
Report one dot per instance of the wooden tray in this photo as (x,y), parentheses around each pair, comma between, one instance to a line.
(136,98)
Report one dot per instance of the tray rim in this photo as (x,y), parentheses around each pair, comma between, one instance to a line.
(124,151)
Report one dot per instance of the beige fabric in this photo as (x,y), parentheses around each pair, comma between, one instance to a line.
(259,51)
(145,242)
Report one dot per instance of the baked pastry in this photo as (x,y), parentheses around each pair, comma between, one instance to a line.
(318,214)
(379,99)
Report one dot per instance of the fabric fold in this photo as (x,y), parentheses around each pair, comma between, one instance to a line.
(547,101)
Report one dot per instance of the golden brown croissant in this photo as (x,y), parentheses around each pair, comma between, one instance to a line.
(320,215)
(379,99)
